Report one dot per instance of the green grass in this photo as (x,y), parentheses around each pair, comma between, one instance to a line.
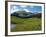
(26,24)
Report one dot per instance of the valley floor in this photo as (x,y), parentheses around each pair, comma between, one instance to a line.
(26,24)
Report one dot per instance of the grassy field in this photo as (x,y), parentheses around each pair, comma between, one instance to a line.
(26,24)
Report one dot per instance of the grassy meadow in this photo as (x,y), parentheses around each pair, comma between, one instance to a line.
(26,24)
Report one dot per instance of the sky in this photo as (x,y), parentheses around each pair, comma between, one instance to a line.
(28,8)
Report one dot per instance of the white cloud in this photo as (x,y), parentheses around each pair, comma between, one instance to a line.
(32,6)
(14,7)
(23,6)
(12,11)
(26,10)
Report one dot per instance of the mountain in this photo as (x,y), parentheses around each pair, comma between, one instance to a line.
(21,14)
(24,14)
(39,15)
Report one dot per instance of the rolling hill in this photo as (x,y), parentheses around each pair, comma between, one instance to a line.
(24,14)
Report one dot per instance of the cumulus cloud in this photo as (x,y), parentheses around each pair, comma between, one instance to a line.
(23,6)
(12,11)
(26,10)
(32,9)
(32,6)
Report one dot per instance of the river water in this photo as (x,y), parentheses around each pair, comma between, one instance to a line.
(13,26)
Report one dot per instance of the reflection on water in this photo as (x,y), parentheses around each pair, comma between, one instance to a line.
(13,26)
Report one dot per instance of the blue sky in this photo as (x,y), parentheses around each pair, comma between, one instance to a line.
(33,9)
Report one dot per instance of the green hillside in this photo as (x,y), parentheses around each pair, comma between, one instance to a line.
(26,24)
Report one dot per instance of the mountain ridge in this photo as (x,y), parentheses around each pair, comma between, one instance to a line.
(25,14)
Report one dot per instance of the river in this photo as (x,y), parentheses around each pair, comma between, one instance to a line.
(13,26)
